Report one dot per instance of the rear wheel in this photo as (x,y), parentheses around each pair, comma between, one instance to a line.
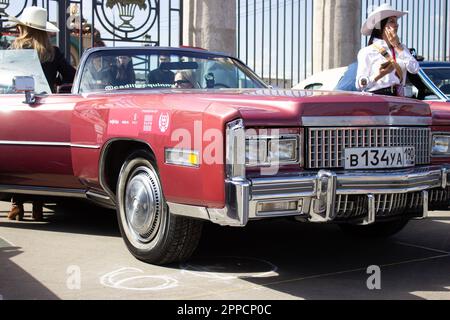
(381,229)
(150,232)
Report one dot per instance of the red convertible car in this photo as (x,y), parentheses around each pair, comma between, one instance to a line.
(171,138)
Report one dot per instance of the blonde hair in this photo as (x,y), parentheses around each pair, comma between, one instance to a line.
(31,38)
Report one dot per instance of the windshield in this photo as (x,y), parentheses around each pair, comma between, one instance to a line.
(15,63)
(114,70)
(441,77)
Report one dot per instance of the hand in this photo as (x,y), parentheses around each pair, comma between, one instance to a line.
(385,69)
(392,37)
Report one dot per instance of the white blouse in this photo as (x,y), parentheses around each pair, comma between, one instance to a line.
(370,61)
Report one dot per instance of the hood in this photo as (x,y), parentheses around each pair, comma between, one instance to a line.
(323,108)
(284,108)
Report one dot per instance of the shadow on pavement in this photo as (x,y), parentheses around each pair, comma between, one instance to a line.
(16,283)
(321,262)
(70,216)
(300,260)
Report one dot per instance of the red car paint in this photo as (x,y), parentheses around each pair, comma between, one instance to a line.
(153,118)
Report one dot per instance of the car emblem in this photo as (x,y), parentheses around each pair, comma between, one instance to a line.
(164,120)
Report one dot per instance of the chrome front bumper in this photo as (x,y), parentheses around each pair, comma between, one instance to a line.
(316,194)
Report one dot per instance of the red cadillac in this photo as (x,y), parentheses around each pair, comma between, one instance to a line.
(171,138)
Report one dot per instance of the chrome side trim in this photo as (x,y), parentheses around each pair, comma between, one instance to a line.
(43,191)
(93,194)
(365,121)
(48,144)
(188,211)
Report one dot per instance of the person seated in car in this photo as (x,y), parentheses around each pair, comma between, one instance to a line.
(100,72)
(161,76)
(185,79)
(122,72)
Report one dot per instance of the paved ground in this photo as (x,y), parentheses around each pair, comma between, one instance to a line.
(77,253)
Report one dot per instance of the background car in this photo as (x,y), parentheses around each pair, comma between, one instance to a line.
(432,83)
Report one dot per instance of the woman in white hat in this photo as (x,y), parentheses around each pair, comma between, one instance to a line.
(33,28)
(385,62)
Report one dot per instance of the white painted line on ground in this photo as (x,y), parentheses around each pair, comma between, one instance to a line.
(8,242)
(421,247)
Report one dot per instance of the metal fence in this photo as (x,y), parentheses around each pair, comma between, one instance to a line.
(274,37)
(88,23)
(426,28)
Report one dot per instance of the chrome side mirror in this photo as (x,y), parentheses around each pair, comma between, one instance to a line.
(25,84)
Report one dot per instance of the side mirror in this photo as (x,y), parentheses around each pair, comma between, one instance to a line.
(25,84)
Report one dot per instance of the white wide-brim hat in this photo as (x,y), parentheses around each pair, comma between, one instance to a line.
(36,18)
(379,14)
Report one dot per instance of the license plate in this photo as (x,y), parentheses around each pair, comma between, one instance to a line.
(380,158)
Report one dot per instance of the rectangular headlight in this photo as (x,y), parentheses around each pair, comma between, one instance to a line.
(441,145)
(270,150)
(284,150)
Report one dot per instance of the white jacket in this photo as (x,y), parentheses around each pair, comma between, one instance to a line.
(370,60)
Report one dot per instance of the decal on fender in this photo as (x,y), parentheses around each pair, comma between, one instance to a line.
(164,122)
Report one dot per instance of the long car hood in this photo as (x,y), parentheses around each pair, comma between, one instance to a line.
(266,107)
(324,108)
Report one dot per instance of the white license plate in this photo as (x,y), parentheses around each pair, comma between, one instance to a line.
(380,158)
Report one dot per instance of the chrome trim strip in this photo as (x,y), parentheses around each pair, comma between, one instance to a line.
(43,191)
(371,212)
(425,204)
(48,144)
(93,194)
(235,149)
(334,121)
(188,211)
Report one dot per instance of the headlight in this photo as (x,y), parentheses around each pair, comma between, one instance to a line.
(270,150)
(441,145)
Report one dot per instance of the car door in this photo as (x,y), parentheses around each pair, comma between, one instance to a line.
(35,147)
(35,142)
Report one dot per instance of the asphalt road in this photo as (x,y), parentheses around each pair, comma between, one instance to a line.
(77,253)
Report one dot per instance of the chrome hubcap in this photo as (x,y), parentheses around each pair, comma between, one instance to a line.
(143,205)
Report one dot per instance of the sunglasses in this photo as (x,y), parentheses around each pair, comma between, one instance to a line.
(182,81)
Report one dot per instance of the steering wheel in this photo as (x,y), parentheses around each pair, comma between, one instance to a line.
(221,85)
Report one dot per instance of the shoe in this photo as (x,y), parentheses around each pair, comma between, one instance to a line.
(16,212)
(38,214)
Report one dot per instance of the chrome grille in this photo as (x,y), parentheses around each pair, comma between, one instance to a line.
(326,146)
(354,206)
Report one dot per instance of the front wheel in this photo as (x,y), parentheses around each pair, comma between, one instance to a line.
(381,229)
(150,231)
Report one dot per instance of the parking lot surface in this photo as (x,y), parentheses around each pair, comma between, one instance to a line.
(77,253)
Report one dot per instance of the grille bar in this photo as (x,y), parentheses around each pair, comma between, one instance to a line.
(326,147)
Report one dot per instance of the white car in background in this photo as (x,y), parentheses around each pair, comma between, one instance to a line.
(432,83)
(325,80)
